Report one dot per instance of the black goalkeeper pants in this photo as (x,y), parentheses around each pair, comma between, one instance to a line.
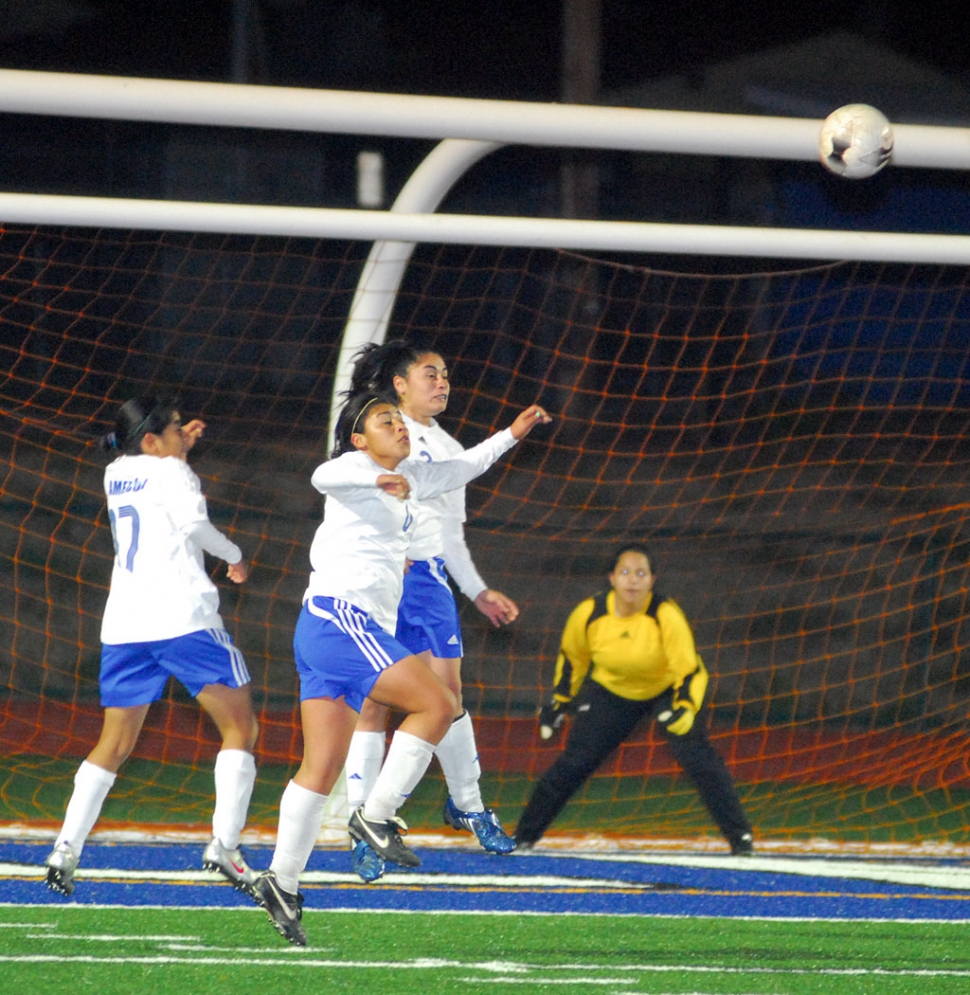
(605,720)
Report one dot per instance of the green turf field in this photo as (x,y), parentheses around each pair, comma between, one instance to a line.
(114,951)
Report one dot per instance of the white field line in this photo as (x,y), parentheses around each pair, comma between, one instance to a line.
(408,879)
(494,969)
(333,837)
(919,875)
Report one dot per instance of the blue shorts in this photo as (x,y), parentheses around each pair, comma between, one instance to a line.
(427,617)
(341,651)
(136,673)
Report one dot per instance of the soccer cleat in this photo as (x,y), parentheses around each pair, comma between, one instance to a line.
(61,864)
(484,825)
(284,910)
(230,864)
(384,837)
(743,846)
(368,865)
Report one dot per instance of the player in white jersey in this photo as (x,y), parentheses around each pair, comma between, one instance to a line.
(427,621)
(162,619)
(343,644)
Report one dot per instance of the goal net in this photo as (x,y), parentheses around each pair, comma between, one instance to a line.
(791,445)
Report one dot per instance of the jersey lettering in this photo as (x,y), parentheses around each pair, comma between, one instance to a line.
(126,486)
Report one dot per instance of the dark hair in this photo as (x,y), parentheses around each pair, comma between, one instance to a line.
(378,363)
(136,417)
(630,547)
(351,413)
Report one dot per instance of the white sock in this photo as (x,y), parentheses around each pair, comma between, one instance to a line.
(458,755)
(91,787)
(301,816)
(407,760)
(364,759)
(235,775)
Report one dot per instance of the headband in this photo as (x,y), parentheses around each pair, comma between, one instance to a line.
(360,414)
(142,424)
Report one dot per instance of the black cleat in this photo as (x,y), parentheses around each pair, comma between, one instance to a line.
(743,846)
(383,837)
(284,910)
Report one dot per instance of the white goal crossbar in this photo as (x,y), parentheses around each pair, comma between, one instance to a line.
(410,116)
(488,123)
(469,129)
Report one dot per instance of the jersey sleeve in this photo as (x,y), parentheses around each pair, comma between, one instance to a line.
(431,479)
(182,494)
(458,559)
(186,506)
(345,473)
(573,662)
(206,536)
(678,641)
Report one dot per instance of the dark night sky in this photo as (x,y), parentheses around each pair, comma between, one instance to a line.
(486,48)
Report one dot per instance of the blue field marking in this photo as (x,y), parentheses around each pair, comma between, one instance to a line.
(473,881)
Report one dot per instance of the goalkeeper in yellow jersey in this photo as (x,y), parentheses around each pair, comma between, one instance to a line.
(626,655)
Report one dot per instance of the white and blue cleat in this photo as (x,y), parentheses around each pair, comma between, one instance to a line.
(484,825)
(366,862)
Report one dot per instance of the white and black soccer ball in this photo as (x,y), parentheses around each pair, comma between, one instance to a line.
(856,141)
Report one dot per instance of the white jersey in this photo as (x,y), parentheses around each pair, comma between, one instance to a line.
(359,550)
(160,526)
(441,525)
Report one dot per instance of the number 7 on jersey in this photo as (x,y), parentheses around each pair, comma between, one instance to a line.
(130,512)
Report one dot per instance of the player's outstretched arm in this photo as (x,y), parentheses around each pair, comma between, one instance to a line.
(447,475)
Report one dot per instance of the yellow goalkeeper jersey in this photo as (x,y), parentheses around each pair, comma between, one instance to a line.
(637,657)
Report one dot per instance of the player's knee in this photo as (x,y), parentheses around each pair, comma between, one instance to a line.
(111,752)
(253,735)
(459,707)
(242,735)
(442,706)
(372,716)
(239,732)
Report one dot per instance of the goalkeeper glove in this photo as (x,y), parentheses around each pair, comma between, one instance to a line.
(552,716)
(679,718)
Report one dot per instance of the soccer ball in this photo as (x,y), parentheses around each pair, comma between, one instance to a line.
(856,141)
